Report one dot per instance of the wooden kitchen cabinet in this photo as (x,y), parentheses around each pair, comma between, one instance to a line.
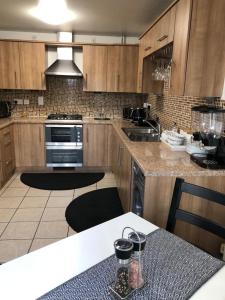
(9,65)
(95,68)
(29,145)
(22,65)
(121,167)
(7,155)
(110,68)
(96,139)
(32,66)
(122,66)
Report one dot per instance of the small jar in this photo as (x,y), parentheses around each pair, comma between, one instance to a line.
(136,278)
(123,249)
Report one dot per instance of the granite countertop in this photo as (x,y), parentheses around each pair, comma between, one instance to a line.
(157,159)
(154,158)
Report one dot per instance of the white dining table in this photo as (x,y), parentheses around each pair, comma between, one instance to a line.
(32,275)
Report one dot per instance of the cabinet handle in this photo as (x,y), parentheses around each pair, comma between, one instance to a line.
(40,134)
(7,163)
(162,38)
(15,79)
(118,82)
(42,79)
(148,48)
(86,80)
(87,139)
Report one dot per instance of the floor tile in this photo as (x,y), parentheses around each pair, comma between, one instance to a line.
(6,214)
(37,193)
(67,193)
(16,183)
(2,227)
(59,201)
(10,202)
(71,231)
(84,190)
(54,214)
(52,230)
(20,230)
(10,249)
(34,202)
(39,243)
(27,214)
(15,192)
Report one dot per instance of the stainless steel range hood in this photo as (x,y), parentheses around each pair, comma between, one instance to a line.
(64,65)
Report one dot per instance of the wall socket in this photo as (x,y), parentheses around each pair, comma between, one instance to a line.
(26,101)
(18,101)
(40,100)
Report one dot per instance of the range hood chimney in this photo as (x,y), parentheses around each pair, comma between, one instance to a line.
(64,65)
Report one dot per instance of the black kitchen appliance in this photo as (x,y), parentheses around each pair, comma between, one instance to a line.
(138,190)
(138,114)
(5,109)
(208,124)
(127,112)
(64,140)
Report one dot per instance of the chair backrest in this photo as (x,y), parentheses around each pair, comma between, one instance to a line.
(178,214)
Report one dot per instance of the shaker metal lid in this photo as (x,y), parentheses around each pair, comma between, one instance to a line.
(139,243)
(123,248)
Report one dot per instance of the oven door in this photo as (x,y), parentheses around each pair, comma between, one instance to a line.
(64,156)
(66,134)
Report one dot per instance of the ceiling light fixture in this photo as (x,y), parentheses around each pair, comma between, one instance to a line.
(53,12)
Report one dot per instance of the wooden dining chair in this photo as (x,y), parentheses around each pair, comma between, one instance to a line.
(176,213)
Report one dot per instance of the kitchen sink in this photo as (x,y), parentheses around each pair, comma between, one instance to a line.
(142,134)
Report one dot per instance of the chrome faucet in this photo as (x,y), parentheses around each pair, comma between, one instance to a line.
(157,128)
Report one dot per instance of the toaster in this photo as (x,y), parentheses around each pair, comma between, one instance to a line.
(5,109)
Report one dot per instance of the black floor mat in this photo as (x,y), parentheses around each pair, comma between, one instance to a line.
(93,208)
(60,181)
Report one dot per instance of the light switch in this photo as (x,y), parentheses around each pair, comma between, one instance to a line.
(41,100)
(26,101)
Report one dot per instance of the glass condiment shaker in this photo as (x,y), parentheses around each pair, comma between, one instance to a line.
(123,250)
(136,279)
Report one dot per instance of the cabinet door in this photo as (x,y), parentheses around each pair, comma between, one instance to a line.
(96,145)
(32,65)
(113,68)
(29,145)
(115,157)
(206,55)
(95,68)
(9,65)
(125,179)
(180,47)
(128,69)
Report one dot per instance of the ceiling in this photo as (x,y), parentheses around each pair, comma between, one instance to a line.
(116,17)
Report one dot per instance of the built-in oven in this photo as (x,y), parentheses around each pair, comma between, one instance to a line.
(138,190)
(64,145)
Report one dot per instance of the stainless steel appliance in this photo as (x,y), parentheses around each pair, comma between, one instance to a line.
(208,124)
(138,190)
(5,109)
(64,141)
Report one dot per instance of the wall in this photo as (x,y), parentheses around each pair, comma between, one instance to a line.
(177,109)
(66,95)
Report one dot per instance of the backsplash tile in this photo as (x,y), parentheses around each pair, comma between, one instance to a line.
(177,109)
(66,95)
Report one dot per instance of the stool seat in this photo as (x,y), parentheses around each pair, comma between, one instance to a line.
(93,208)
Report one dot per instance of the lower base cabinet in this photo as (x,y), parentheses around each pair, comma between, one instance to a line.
(121,167)
(96,139)
(29,145)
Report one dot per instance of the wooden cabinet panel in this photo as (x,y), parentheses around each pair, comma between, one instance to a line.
(32,66)
(113,68)
(95,68)
(9,65)
(7,156)
(96,145)
(180,47)
(206,56)
(29,145)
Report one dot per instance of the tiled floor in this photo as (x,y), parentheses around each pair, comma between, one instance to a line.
(32,218)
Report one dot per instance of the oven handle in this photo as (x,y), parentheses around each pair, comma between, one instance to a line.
(64,148)
(69,126)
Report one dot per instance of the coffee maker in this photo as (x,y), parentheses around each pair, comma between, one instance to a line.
(208,125)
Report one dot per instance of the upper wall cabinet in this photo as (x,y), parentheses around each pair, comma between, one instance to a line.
(110,68)
(22,65)
(198,60)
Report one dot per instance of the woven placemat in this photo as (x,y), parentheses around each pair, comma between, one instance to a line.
(174,269)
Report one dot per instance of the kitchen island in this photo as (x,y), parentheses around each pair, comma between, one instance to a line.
(36,273)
